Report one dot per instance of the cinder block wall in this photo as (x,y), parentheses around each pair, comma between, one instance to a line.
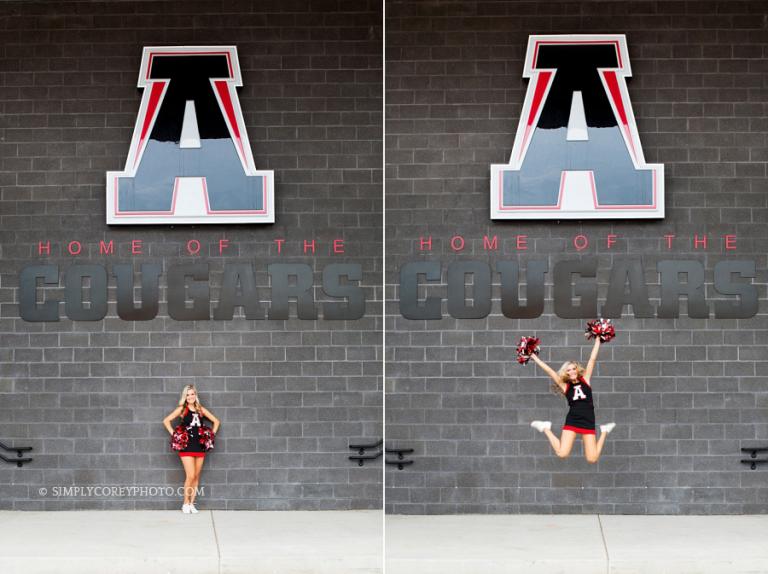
(686,393)
(90,396)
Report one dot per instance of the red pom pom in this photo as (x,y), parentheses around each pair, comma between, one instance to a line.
(207,437)
(179,438)
(600,328)
(528,346)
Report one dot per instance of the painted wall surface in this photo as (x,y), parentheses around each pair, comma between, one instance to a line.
(291,394)
(686,393)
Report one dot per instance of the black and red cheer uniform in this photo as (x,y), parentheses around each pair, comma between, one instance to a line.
(192,420)
(581,414)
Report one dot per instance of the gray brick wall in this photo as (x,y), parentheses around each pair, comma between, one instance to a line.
(90,396)
(686,393)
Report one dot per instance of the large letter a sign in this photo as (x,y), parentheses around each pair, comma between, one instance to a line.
(190,160)
(577,153)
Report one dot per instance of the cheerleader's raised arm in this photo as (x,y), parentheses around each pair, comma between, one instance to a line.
(550,371)
(592,360)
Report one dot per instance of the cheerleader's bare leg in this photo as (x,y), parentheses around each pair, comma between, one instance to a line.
(198,469)
(564,444)
(601,442)
(188,462)
(592,448)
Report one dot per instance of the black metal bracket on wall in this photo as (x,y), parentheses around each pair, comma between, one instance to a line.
(19,450)
(753,461)
(361,457)
(400,461)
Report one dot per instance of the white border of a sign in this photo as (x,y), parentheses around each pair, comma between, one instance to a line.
(153,94)
(526,126)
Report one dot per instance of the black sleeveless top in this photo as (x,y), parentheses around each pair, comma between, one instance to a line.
(192,418)
(579,395)
(192,421)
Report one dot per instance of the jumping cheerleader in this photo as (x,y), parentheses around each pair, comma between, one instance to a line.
(573,382)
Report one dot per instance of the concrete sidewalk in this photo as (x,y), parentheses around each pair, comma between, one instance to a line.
(250,542)
(211,542)
(571,544)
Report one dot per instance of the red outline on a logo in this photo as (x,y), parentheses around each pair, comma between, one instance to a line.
(567,42)
(563,175)
(182,53)
(208,210)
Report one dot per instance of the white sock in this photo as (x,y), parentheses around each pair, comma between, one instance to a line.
(541,425)
(608,427)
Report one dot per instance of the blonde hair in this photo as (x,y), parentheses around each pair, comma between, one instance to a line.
(183,400)
(563,375)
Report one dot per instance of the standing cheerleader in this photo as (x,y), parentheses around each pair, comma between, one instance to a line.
(192,455)
(573,382)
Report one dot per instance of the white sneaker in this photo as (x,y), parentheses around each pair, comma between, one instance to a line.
(606,428)
(192,509)
(541,425)
(185,509)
